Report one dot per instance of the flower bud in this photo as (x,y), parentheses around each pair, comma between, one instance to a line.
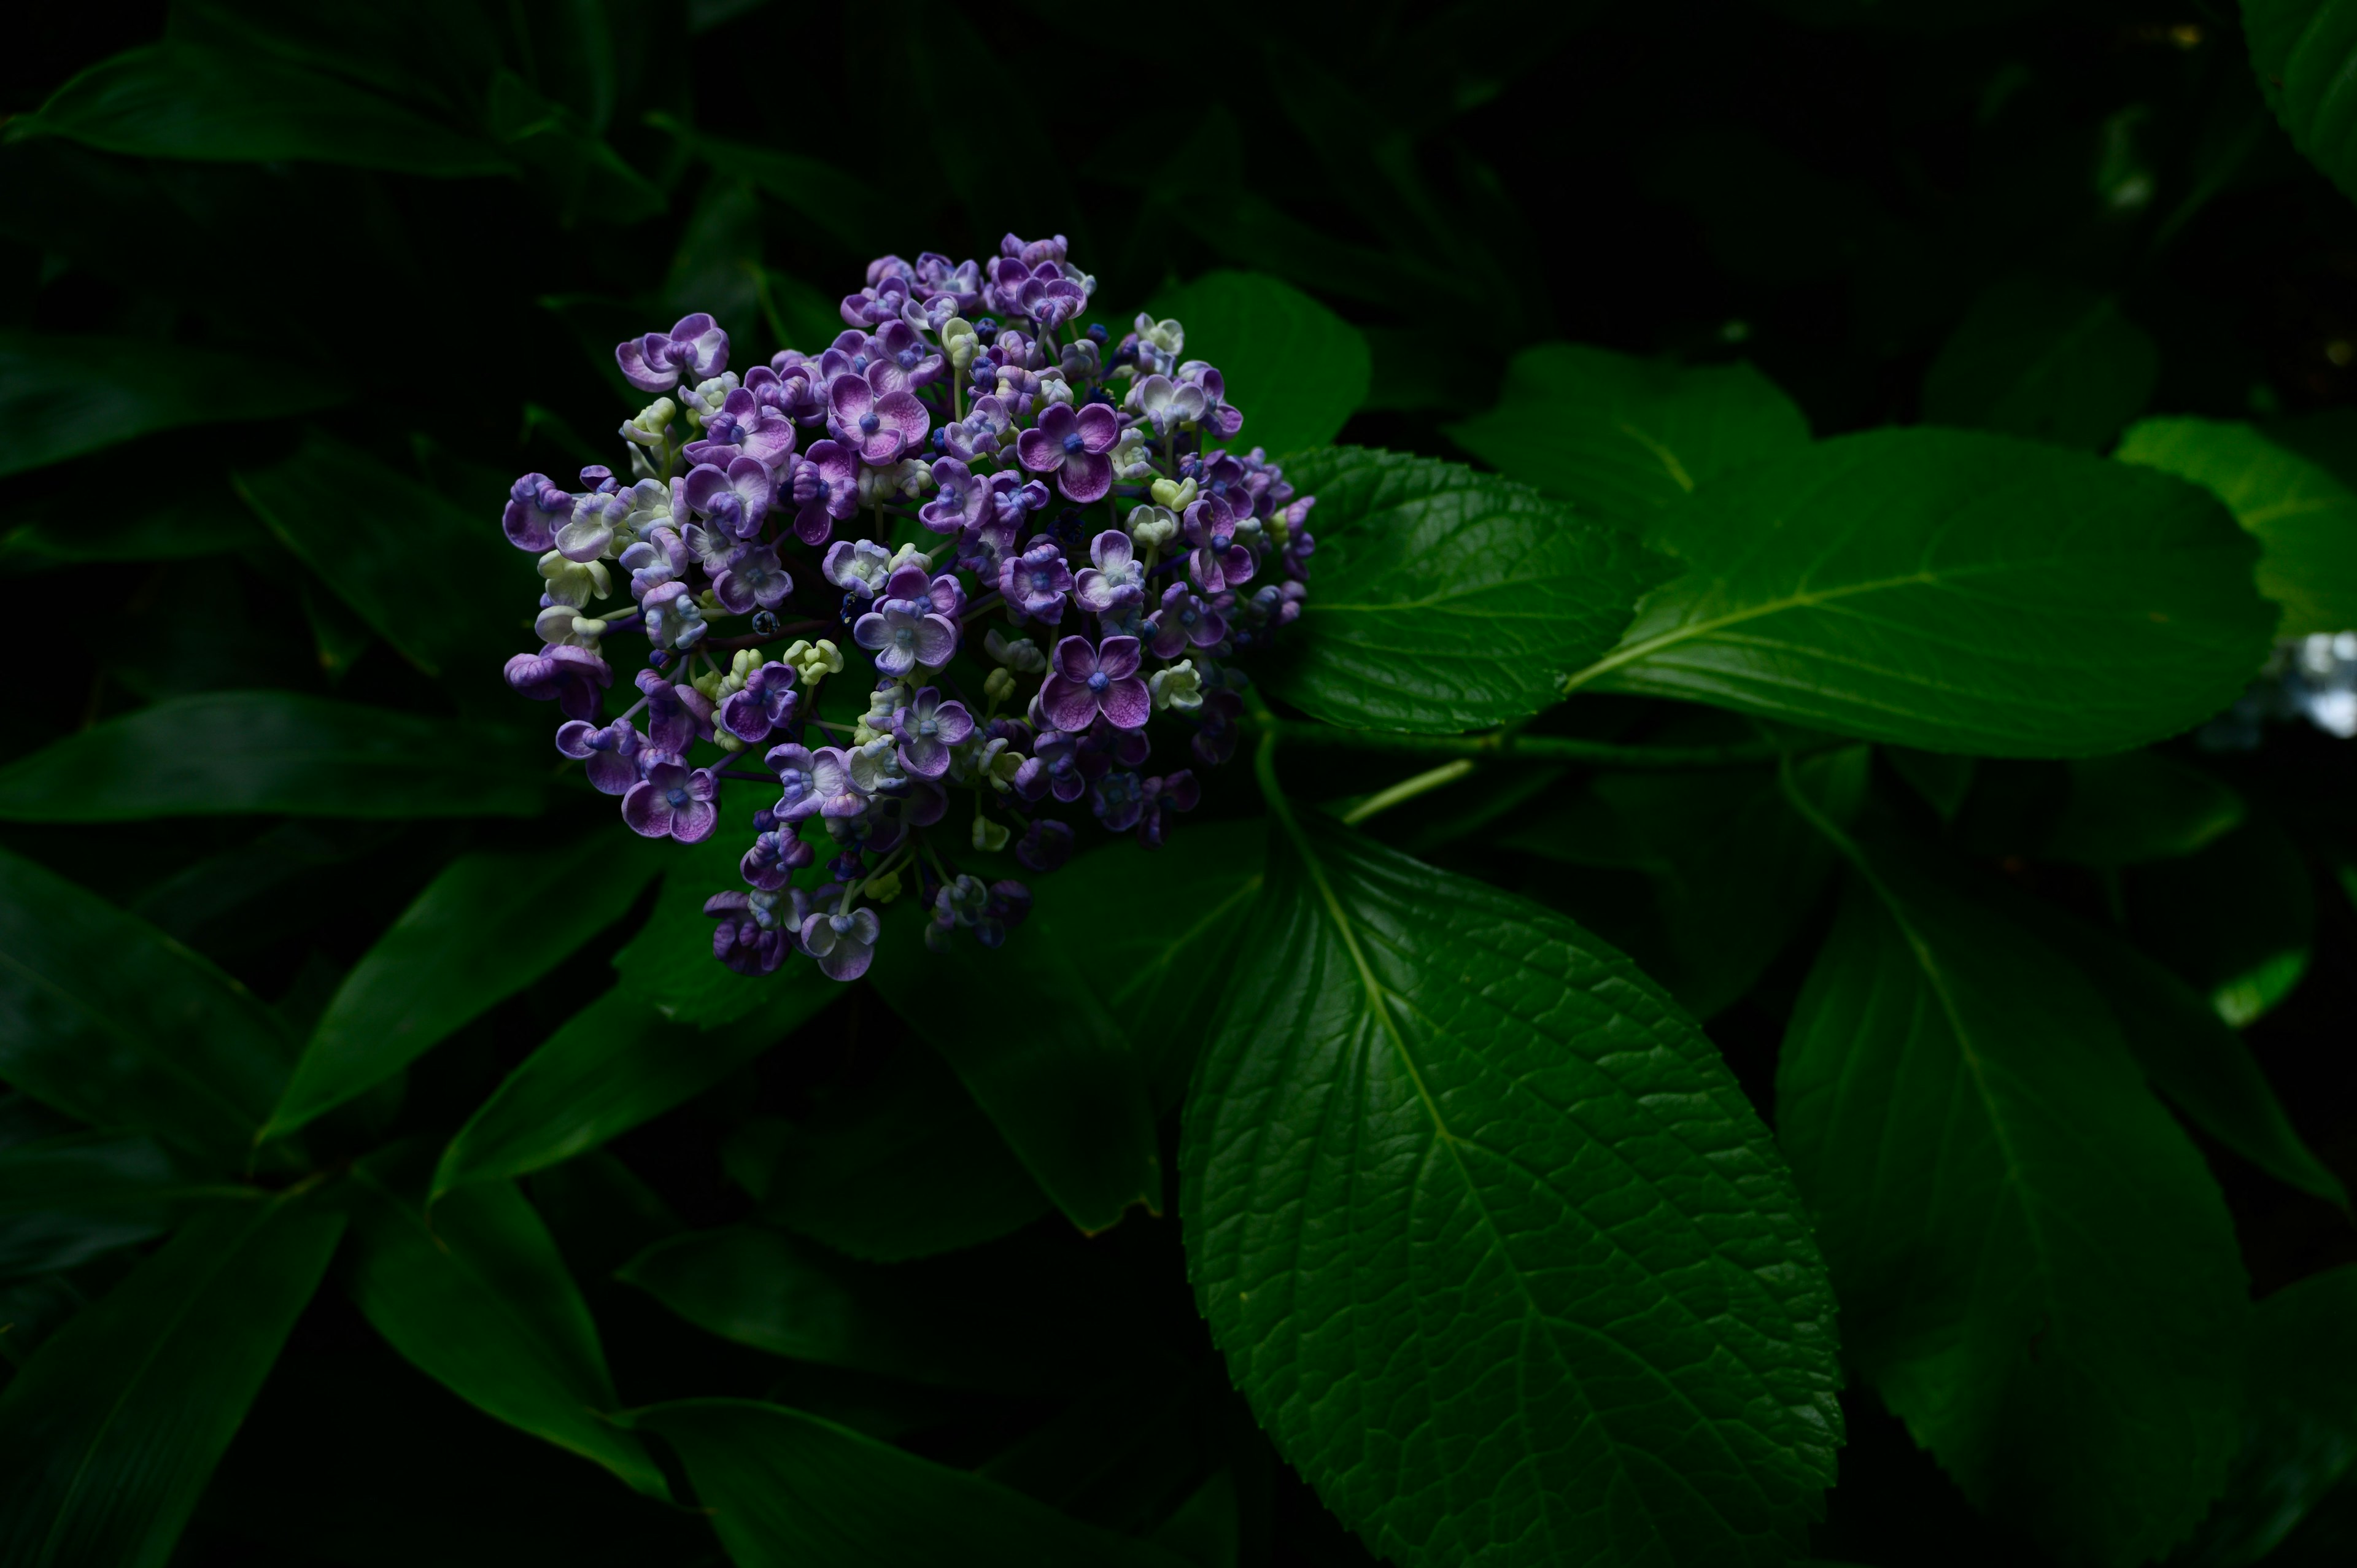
(960,342)
(988,836)
(1180,686)
(1152,527)
(1022,654)
(1177,495)
(998,685)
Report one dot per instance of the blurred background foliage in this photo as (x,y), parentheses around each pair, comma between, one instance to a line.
(286,282)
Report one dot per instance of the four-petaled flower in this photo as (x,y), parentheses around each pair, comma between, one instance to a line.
(1117,579)
(1169,405)
(735,498)
(765,702)
(1036,582)
(608,756)
(878,424)
(901,637)
(928,727)
(694,348)
(1183,619)
(843,944)
(673,801)
(1072,445)
(1216,561)
(826,489)
(1088,680)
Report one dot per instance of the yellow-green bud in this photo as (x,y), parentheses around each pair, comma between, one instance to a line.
(885,889)
(960,342)
(999,685)
(1176,494)
(1152,527)
(988,836)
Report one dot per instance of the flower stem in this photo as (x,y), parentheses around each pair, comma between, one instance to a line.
(1407,789)
(1508,746)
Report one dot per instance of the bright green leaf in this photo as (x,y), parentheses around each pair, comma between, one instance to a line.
(2136,806)
(114,1023)
(788,1490)
(1623,437)
(1446,599)
(613,1065)
(2302,511)
(1953,591)
(110,1432)
(475,1294)
(186,100)
(2035,1268)
(2302,51)
(237,753)
(2048,360)
(1495,1247)
(62,396)
(489,925)
(1296,369)
(65,1199)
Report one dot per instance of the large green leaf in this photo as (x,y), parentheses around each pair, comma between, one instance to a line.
(1013,1325)
(902,1167)
(113,1023)
(2036,1269)
(2049,361)
(667,964)
(2137,806)
(66,1198)
(1953,591)
(2302,51)
(2299,1427)
(489,925)
(188,101)
(616,1063)
(365,528)
(844,206)
(108,1434)
(478,1298)
(2303,514)
(1623,437)
(789,1490)
(63,396)
(583,177)
(237,753)
(64,529)
(1494,1245)
(1445,599)
(1296,369)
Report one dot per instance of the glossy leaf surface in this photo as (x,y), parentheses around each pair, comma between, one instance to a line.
(61,396)
(1622,437)
(1955,592)
(2046,360)
(1448,599)
(1297,370)
(2036,1269)
(1496,1249)
(2302,51)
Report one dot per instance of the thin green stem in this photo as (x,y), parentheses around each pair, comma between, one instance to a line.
(1407,789)
(1508,744)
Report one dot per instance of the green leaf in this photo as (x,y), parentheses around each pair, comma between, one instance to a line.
(2302,511)
(2189,1054)
(1952,591)
(365,527)
(616,1063)
(2235,921)
(788,1489)
(1062,1083)
(1016,1322)
(2138,806)
(62,530)
(65,1199)
(842,206)
(109,1432)
(1942,778)
(668,965)
(475,1296)
(114,1023)
(188,101)
(903,1167)
(1296,369)
(1494,1245)
(239,753)
(583,176)
(1446,599)
(1623,437)
(489,925)
(2300,1425)
(2036,1269)
(2046,360)
(62,396)
(2302,51)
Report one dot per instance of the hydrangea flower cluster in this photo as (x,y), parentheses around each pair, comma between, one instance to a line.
(965,457)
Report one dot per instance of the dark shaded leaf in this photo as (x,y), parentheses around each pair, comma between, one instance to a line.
(111,1022)
(1495,1247)
(584,177)
(2036,1269)
(67,531)
(1942,778)
(61,396)
(840,204)
(489,925)
(2235,921)
(1297,370)
(2049,361)
(109,1432)
(65,1199)
(1446,599)
(669,964)
(788,1489)
(1953,591)
(1623,437)
(235,753)
(2137,806)
(2302,51)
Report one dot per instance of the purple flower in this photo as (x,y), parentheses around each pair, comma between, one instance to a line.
(1172,793)
(785,388)
(978,434)
(676,715)
(775,856)
(1053,768)
(879,427)
(1118,800)
(736,498)
(1218,717)
(881,300)
(572,677)
(833,784)
(797,772)
(1072,446)
(901,638)
(1218,561)
(1168,404)
(917,360)
(536,509)
(748,427)
(960,501)
(608,756)
(826,488)
(1183,619)
(843,944)
(753,578)
(1086,680)
(1032,252)
(1116,579)
(1013,499)
(752,936)
(913,591)
(672,617)
(938,279)
(671,801)
(1050,301)
(660,557)
(694,348)
(596,517)
(857,566)
(1036,582)
(1222,416)
(928,727)
(765,702)
(1045,844)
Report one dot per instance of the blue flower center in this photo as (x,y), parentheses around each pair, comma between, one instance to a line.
(677,797)
(1099,681)
(926,726)
(907,358)
(1187,618)
(1073,444)
(905,636)
(841,923)
(867,424)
